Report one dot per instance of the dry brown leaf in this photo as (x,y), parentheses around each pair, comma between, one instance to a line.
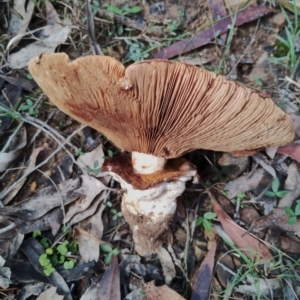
(244,183)
(167,264)
(86,161)
(5,274)
(88,245)
(163,292)
(292,150)
(106,287)
(51,36)
(51,197)
(260,159)
(292,184)
(94,224)
(20,17)
(203,277)
(50,294)
(7,158)
(277,217)
(93,187)
(30,166)
(26,84)
(241,238)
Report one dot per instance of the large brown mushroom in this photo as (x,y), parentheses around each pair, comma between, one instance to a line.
(159,110)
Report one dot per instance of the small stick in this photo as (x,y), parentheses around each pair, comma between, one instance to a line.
(91,30)
(4,193)
(27,119)
(35,121)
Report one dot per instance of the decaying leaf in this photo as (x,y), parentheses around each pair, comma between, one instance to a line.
(29,168)
(7,158)
(20,17)
(107,287)
(277,217)
(167,265)
(260,159)
(93,187)
(50,294)
(26,84)
(269,288)
(163,292)
(32,289)
(241,238)
(292,184)
(292,150)
(51,36)
(87,160)
(203,277)
(245,183)
(49,198)
(10,238)
(88,245)
(94,224)
(5,274)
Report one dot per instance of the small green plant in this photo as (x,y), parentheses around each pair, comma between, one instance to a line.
(257,80)
(46,264)
(78,152)
(116,214)
(95,5)
(96,170)
(56,255)
(293,214)
(110,154)
(136,50)
(110,252)
(29,107)
(172,26)
(275,193)
(5,111)
(206,220)
(286,52)
(29,76)
(125,10)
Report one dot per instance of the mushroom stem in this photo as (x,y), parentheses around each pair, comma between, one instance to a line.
(146,163)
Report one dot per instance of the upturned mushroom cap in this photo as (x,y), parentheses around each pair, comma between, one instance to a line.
(161,107)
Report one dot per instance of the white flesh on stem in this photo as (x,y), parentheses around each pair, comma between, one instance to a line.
(149,211)
(158,202)
(147,163)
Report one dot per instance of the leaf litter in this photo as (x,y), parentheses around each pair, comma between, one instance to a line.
(82,197)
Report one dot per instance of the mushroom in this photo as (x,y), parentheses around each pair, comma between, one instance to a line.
(159,110)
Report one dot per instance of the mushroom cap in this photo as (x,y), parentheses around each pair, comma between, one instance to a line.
(161,107)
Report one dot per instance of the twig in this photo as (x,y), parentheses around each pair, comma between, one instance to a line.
(128,22)
(58,191)
(290,80)
(28,120)
(9,227)
(40,130)
(91,30)
(4,193)
(11,137)
(50,130)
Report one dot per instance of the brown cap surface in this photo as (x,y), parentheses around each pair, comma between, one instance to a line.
(161,107)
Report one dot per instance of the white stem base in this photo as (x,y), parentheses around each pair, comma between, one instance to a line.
(147,163)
